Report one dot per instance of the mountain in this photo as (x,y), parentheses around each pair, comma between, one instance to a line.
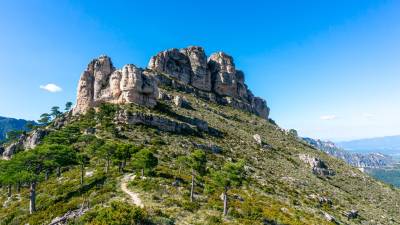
(370,160)
(389,145)
(177,143)
(10,124)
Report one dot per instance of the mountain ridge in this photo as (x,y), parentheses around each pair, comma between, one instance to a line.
(8,124)
(386,144)
(370,160)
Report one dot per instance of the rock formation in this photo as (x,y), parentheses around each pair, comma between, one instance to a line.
(318,166)
(188,65)
(187,69)
(25,142)
(101,82)
(34,138)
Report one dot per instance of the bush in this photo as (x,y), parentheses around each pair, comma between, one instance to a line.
(117,214)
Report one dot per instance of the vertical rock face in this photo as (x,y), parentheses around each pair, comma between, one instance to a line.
(101,82)
(227,81)
(187,68)
(223,74)
(188,65)
(201,76)
(101,69)
(137,87)
(85,94)
(174,63)
(260,107)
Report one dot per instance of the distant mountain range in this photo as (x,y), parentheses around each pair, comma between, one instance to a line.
(370,160)
(11,124)
(389,145)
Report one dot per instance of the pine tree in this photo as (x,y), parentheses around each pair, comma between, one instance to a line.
(197,163)
(229,176)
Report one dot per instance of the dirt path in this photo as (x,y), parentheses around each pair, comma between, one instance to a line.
(134,196)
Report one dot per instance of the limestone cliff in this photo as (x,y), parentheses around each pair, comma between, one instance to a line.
(188,69)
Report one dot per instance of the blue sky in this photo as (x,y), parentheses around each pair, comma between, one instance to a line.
(330,69)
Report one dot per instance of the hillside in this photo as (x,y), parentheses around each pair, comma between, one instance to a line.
(161,114)
(370,160)
(10,124)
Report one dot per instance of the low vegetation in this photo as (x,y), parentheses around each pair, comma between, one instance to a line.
(180,178)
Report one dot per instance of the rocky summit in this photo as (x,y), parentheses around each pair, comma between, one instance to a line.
(215,79)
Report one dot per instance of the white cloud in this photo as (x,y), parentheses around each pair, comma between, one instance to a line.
(53,88)
(328,117)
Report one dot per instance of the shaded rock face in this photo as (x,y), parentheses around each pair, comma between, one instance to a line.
(216,75)
(101,82)
(201,76)
(174,63)
(187,69)
(188,65)
(226,80)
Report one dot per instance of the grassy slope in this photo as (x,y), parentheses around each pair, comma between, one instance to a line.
(278,187)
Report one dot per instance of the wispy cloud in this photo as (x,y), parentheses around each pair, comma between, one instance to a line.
(53,88)
(328,117)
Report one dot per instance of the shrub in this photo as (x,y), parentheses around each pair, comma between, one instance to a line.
(117,214)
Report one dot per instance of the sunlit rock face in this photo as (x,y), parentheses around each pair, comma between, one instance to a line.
(101,82)
(186,69)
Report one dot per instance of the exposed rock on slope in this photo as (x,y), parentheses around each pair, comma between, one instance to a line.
(372,160)
(25,142)
(186,69)
(318,166)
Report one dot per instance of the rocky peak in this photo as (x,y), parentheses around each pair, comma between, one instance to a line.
(101,82)
(188,68)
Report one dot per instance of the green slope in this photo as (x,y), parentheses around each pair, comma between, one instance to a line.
(280,188)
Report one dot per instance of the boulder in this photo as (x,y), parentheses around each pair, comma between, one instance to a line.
(181,102)
(318,166)
(258,139)
(178,101)
(352,214)
(69,216)
(330,218)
